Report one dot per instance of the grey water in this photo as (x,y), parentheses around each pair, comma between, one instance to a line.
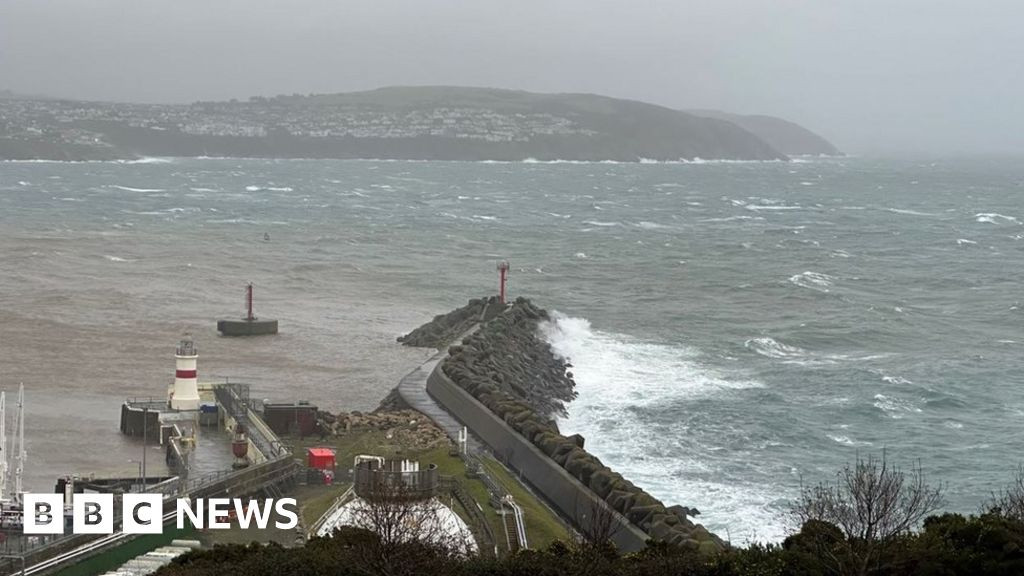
(735,329)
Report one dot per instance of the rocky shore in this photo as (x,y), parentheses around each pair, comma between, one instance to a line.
(506,360)
(406,428)
(514,373)
(447,328)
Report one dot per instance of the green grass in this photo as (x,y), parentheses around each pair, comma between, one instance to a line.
(542,525)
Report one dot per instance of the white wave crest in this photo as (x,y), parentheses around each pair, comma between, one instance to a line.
(617,375)
(909,212)
(846,441)
(812,280)
(149,160)
(895,407)
(994,218)
(132,189)
(617,369)
(771,348)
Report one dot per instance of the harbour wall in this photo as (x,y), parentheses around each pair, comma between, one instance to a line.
(518,385)
(574,500)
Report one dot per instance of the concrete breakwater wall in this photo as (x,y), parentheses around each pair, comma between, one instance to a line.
(504,383)
(574,500)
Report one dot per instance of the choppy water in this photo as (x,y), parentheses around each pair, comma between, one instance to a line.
(734,327)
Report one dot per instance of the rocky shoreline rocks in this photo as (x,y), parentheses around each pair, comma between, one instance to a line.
(447,328)
(406,428)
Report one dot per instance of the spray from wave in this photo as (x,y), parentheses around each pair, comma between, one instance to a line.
(621,379)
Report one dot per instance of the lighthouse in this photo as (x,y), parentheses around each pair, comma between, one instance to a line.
(185,394)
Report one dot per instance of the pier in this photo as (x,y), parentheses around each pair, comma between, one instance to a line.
(272,467)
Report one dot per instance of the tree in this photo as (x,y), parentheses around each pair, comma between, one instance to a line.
(409,532)
(872,505)
(1010,501)
(598,524)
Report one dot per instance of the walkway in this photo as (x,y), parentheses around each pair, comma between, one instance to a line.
(413,389)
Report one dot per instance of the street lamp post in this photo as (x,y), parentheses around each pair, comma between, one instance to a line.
(145,442)
(139,477)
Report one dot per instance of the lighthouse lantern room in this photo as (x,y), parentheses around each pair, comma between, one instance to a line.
(185,394)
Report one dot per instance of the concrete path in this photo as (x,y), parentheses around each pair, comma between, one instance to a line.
(413,389)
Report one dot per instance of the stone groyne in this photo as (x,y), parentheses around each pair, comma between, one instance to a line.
(447,328)
(506,384)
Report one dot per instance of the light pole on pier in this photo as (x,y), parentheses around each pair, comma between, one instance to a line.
(145,442)
(502,279)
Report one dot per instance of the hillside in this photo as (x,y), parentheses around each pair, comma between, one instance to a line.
(428,123)
(785,136)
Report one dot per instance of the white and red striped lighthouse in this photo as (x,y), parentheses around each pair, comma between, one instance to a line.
(185,394)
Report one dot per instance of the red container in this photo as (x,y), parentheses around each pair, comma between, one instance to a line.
(320,458)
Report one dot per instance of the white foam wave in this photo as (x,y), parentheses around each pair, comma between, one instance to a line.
(994,218)
(114,258)
(812,280)
(615,376)
(898,380)
(602,224)
(732,218)
(148,160)
(909,212)
(618,369)
(651,225)
(771,348)
(847,441)
(758,207)
(132,189)
(895,407)
(963,241)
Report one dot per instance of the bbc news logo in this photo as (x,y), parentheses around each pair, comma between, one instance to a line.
(144,513)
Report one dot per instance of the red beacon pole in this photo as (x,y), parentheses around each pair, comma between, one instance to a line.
(248,303)
(503,278)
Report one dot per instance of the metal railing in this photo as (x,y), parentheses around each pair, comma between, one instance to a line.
(278,465)
(234,397)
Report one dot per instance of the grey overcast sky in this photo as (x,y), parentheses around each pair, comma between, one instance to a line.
(874,76)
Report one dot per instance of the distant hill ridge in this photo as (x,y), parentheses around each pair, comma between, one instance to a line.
(785,136)
(421,123)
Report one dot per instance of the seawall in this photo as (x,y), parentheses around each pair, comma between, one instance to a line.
(504,382)
(574,500)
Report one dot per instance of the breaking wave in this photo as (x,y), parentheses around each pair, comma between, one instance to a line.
(812,281)
(131,189)
(619,380)
(994,218)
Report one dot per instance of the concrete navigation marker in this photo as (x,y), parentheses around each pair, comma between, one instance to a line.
(250,325)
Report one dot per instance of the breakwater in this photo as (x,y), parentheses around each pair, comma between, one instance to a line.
(506,385)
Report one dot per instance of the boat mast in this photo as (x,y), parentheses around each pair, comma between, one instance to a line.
(19,455)
(3,444)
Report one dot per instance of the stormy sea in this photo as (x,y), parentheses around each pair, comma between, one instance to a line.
(735,329)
